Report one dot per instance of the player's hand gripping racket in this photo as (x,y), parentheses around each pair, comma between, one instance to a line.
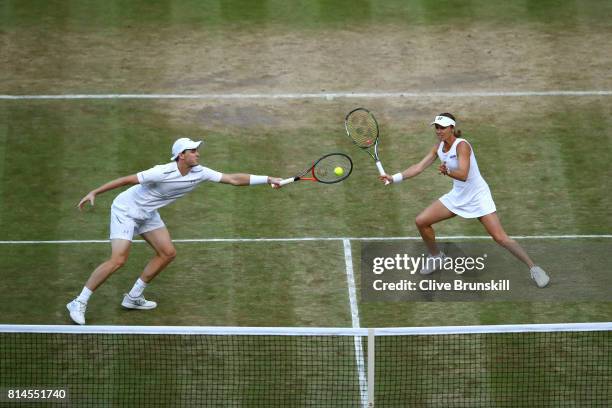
(329,169)
(362,127)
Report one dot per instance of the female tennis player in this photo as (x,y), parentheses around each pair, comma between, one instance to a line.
(469,198)
(134,211)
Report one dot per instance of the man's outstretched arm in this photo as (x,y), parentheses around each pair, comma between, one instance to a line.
(120,182)
(243,179)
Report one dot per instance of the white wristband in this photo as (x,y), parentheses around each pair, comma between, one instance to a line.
(397,178)
(253,180)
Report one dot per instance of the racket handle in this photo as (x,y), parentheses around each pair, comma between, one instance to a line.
(381,170)
(287,181)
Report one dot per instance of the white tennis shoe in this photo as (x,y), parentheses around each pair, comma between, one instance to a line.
(432,263)
(77,311)
(137,303)
(539,276)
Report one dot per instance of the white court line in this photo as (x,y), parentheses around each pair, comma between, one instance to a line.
(359,359)
(350,279)
(318,95)
(301,239)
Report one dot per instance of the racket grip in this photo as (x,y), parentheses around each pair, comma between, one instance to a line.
(287,181)
(381,170)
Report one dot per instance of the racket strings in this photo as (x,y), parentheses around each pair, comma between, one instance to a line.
(333,168)
(362,128)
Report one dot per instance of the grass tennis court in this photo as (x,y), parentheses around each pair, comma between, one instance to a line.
(546,164)
(545,157)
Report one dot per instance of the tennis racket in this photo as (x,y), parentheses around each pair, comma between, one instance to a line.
(361,126)
(329,169)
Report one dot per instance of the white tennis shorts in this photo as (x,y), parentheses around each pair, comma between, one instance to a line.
(124,224)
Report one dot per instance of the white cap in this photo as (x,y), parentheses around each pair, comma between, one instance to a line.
(443,121)
(182,144)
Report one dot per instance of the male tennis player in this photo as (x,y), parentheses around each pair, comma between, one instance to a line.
(134,211)
(469,198)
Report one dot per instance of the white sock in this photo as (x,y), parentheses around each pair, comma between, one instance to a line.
(84,296)
(138,288)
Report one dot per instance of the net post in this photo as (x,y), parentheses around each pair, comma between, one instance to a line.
(371,366)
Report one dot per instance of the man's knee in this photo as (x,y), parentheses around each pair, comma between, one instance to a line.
(169,254)
(118,261)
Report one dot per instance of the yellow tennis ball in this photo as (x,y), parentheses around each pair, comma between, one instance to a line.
(339,171)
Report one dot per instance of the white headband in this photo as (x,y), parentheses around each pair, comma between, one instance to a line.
(443,121)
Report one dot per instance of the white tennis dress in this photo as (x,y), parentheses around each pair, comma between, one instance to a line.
(471,198)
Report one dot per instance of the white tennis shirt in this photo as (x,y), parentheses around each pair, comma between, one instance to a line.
(162,185)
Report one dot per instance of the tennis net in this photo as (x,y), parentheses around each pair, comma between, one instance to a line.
(468,366)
